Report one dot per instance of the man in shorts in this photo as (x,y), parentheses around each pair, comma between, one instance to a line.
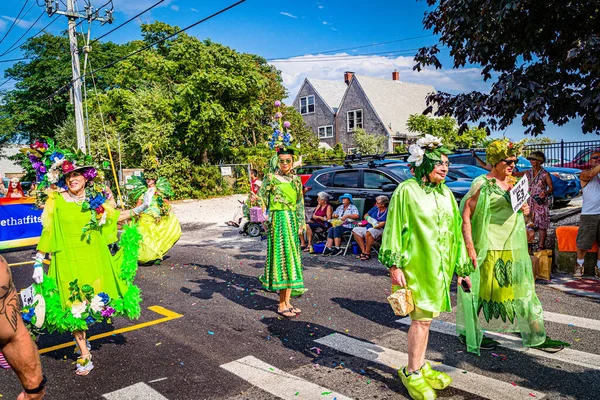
(15,341)
(589,224)
(423,247)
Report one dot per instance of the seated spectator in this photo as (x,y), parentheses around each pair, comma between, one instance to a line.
(321,215)
(366,235)
(15,191)
(347,214)
(242,210)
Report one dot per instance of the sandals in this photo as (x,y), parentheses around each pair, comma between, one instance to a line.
(295,310)
(231,223)
(552,346)
(307,249)
(286,313)
(84,365)
(365,257)
(578,272)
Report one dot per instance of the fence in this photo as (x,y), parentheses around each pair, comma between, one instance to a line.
(567,154)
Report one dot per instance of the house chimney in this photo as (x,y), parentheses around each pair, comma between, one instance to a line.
(348,77)
(395,75)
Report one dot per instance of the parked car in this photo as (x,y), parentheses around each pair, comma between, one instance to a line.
(582,159)
(564,180)
(306,171)
(366,180)
(465,171)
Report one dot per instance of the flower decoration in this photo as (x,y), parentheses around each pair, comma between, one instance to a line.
(502,149)
(425,153)
(78,309)
(416,154)
(281,138)
(51,165)
(277,103)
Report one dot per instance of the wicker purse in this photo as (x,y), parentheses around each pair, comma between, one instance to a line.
(401,300)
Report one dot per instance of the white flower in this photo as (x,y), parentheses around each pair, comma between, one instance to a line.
(97,304)
(429,141)
(102,219)
(416,154)
(53,175)
(77,309)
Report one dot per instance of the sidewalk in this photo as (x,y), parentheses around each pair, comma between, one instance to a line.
(586,287)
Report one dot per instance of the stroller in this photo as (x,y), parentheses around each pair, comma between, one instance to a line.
(255,227)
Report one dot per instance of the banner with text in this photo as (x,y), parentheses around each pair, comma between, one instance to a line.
(20,223)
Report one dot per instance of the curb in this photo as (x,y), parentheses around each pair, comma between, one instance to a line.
(559,284)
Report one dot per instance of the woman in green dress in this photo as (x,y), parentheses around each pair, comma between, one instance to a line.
(281,195)
(503,297)
(88,280)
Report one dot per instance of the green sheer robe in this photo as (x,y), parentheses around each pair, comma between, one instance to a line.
(503,295)
(423,237)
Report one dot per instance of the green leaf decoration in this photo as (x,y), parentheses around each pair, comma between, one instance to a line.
(508,270)
(487,310)
(500,272)
(510,311)
(496,309)
(502,312)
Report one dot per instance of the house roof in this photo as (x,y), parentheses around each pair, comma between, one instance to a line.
(331,92)
(395,101)
(6,165)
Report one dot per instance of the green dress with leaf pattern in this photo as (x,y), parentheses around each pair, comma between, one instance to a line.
(285,204)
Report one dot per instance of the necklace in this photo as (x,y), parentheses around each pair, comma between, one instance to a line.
(380,214)
(79,200)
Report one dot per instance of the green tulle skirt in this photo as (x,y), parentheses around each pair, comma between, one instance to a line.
(283,268)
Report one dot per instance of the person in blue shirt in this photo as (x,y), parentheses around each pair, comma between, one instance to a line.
(366,235)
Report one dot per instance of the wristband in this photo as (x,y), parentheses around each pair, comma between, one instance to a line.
(39,388)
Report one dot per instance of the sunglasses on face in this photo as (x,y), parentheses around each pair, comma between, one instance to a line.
(446,163)
(595,157)
(509,162)
(285,161)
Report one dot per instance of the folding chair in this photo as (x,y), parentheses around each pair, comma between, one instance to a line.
(360,204)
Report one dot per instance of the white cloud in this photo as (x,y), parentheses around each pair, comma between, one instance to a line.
(288,14)
(3,25)
(325,22)
(321,7)
(131,8)
(332,67)
(20,23)
(175,8)
(193,9)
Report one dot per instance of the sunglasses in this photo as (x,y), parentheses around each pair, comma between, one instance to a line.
(446,163)
(509,162)
(287,161)
(595,157)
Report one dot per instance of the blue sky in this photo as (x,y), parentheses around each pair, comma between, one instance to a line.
(308,29)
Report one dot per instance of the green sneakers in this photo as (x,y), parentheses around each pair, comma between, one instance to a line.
(436,379)
(417,386)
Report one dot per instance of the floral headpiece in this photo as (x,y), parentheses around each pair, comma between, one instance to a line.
(52,164)
(425,153)
(502,149)
(281,140)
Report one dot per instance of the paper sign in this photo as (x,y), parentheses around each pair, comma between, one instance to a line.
(27,296)
(519,194)
(225,171)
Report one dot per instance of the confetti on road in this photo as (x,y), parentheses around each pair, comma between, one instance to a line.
(211,333)
(318,350)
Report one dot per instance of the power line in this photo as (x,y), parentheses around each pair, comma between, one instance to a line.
(40,31)
(14,21)
(5,82)
(126,22)
(15,59)
(66,86)
(22,36)
(357,47)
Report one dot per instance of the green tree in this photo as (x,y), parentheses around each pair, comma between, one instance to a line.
(367,143)
(542,57)
(446,128)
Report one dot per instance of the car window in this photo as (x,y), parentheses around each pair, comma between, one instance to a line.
(376,180)
(346,179)
(401,171)
(325,179)
(469,171)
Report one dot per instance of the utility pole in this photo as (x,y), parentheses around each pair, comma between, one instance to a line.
(52,7)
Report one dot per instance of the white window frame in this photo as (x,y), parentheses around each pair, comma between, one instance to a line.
(325,135)
(307,98)
(351,150)
(353,112)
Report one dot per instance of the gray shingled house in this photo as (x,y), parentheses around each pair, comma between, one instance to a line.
(380,106)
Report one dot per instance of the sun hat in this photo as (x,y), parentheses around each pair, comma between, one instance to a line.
(346,196)
(538,156)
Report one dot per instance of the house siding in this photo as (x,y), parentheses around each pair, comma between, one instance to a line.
(322,115)
(355,99)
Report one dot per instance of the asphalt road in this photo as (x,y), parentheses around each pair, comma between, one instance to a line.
(226,342)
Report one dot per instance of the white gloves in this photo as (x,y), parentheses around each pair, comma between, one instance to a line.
(38,268)
(147,200)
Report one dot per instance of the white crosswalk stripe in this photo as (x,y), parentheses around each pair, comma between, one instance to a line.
(278,382)
(139,391)
(571,320)
(575,357)
(470,382)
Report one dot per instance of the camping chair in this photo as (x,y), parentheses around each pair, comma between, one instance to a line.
(360,204)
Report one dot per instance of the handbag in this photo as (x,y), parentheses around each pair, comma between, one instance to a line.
(545,264)
(401,300)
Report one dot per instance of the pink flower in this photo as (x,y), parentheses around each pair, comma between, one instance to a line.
(286,124)
(277,103)
(107,311)
(67,167)
(100,209)
(278,115)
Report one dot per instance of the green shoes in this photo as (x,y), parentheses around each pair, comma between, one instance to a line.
(436,379)
(486,342)
(417,386)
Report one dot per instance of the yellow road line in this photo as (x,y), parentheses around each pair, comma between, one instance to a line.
(47,262)
(168,316)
